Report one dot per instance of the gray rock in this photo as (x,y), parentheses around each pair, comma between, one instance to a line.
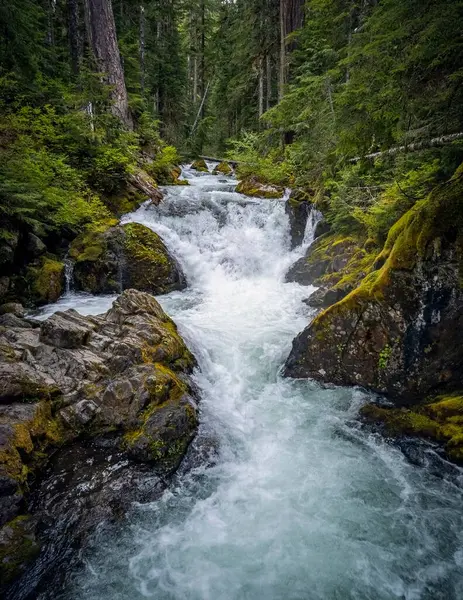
(35,246)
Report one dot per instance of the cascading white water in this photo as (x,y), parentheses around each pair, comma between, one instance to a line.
(302,503)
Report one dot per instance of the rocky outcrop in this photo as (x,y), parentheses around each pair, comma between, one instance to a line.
(252,186)
(200,165)
(439,420)
(223,168)
(45,280)
(110,257)
(398,331)
(298,208)
(113,388)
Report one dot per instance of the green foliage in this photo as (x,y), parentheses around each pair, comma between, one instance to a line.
(164,162)
(269,168)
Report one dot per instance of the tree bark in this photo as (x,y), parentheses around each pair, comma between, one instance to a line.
(74,36)
(108,58)
(291,19)
(261,86)
(142,46)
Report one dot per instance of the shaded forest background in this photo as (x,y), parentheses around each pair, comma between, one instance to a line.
(93,91)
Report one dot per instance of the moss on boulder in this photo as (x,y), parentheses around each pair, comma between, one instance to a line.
(110,257)
(252,186)
(398,331)
(45,280)
(440,420)
(223,168)
(200,165)
(18,548)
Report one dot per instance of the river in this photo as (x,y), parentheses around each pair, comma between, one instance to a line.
(301,503)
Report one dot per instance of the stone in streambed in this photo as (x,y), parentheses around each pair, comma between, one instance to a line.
(223,168)
(110,256)
(253,187)
(200,166)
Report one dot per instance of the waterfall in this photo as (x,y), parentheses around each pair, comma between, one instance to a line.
(68,275)
(315,216)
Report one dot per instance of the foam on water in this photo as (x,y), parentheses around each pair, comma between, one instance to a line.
(302,503)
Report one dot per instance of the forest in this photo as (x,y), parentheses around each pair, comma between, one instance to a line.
(300,92)
(231,299)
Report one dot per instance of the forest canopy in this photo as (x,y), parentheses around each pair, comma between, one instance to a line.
(357,101)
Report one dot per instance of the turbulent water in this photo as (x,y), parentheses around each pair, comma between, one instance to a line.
(301,502)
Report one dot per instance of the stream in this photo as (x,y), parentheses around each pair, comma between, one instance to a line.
(301,502)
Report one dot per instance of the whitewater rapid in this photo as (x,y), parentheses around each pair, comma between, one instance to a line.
(301,503)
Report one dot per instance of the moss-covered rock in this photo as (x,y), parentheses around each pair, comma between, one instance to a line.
(18,548)
(223,168)
(115,388)
(200,165)
(45,279)
(255,188)
(109,258)
(440,420)
(398,331)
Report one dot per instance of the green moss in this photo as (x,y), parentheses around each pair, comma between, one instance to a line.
(18,548)
(254,188)
(23,452)
(223,168)
(200,165)
(90,245)
(46,280)
(440,419)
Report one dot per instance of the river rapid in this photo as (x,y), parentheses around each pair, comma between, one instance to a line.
(300,503)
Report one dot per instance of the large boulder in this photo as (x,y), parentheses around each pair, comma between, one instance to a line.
(223,168)
(110,258)
(252,186)
(200,166)
(45,280)
(120,381)
(398,332)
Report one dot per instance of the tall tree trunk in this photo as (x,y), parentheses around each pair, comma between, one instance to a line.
(106,51)
(74,36)
(142,46)
(203,56)
(282,71)
(269,82)
(291,19)
(261,86)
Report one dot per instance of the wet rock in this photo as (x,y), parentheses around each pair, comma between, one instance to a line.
(321,228)
(322,298)
(327,255)
(119,381)
(45,280)
(223,168)
(253,187)
(298,208)
(10,320)
(110,258)
(200,165)
(398,333)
